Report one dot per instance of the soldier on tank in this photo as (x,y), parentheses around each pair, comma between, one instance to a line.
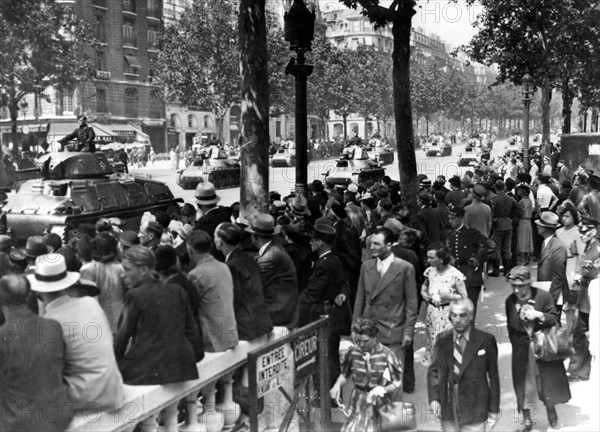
(85,136)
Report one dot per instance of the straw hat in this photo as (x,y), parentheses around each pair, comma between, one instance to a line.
(51,274)
(205,194)
(263,225)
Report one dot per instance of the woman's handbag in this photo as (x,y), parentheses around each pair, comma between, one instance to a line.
(397,416)
(552,344)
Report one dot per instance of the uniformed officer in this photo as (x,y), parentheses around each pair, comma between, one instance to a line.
(468,247)
(85,136)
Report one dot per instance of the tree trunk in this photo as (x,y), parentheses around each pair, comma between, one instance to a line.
(567,99)
(407,163)
(13,108)
(546,95)
(594,120)
(427,126)
(254,155)
(344,121)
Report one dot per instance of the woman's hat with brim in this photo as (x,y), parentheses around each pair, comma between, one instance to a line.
(548,219)
(263,225)
(519,275)
(205,194)
(51,275)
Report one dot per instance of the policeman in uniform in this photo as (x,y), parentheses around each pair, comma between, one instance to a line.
(587,270)
(469,249)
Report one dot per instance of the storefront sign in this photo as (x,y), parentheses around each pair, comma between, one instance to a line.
(274,369)
(306,350)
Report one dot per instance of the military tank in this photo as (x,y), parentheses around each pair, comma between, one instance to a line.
(214,166)
(355,166)
(72,188)
(381,152)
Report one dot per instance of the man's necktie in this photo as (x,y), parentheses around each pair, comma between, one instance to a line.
(458,352)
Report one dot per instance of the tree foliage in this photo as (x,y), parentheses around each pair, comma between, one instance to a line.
(43,47)
(198,62)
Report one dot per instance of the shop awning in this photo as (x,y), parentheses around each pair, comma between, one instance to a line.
(122,131)
(32,127)
(133,61)
(59,130)
(103,132)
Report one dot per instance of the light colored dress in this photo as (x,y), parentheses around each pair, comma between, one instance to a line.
(368,370)
(524,231)
(436,318)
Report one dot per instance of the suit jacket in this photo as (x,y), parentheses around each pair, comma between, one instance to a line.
(210,221)
(390,300)
(32,356)
(248,299)
(410,256)
(430,222)
(212,279)
(466,243)
(478,381)
(552,267)
(158,341)
(279,283)
(328,279)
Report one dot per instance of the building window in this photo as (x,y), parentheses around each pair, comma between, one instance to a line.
(131,102)
(129,38)
(129,6)
(99,60)
(207,122)
(153,36)
(355,26)
(67,101)
(192,122)
(155,104)
(153,8)
(99,31)
(101,105)
(131,65)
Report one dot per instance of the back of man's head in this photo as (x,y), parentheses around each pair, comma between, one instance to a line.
(229,233)
(200,241)
(14,290)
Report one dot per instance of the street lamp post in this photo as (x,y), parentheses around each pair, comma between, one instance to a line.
(527,90)
(299,30)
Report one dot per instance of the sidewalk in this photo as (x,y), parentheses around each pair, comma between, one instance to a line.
(580,414)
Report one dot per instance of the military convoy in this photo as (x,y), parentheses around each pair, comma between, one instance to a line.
(71,188)
(381,152)
(213,165)
(355,166)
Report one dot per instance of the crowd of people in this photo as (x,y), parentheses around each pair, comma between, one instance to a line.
(142,308)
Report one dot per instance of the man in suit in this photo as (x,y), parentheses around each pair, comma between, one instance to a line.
(387,293)
(326,294)
(32,356)
(468,247)
(428,218)
(277,271)
(463,381)
(210,214)
(552,265)
(248,299)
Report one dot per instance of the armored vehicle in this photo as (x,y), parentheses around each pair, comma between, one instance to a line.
(72,188)
(355,166)
(468,157)
(215,167)
(381,152)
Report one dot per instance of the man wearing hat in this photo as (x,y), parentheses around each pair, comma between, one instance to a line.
(590,204)
(326,294)
(563,171)
(552,264)
(84,134)
(31,364)
(469,249)
(587,270)
(90,368)
(277,271)
(211,215)
(478,215)
(428,219)
(455,195)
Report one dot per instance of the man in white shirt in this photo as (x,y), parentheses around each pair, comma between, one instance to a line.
(546,200)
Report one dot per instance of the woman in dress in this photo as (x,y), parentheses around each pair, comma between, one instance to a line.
(443,283)
(569,234)
(524,231)
(527,311)
(376,373)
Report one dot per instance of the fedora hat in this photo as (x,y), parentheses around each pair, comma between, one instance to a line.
(263,225)
(426,197)
(394,225)
(548,219)
(300,206)
(35,247)
(51,275)
(205,194)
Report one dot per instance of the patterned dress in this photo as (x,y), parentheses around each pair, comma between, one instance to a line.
(436,319)
(524,231)
(368,370)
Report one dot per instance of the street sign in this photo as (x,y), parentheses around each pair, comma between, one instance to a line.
(274,369)
(306,351)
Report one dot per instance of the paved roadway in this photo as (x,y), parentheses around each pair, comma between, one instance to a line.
(282,179)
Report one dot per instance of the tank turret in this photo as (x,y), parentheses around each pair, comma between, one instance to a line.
(215,166)
(72,188)
(354,166)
